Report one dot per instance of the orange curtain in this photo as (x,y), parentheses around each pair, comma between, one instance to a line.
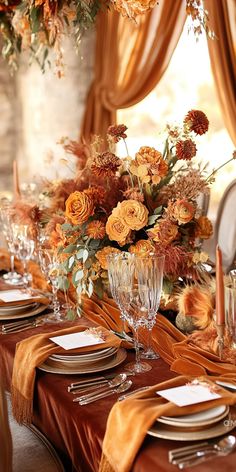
(222,16)
(130,60)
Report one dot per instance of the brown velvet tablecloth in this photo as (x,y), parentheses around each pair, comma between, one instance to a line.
(78,431)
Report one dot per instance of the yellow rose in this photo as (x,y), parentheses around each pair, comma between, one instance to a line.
(183,211)
(204,228)
(134,214)
(79,207)
(103,253)
(117,230)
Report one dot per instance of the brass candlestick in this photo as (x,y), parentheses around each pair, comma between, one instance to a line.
(220,332)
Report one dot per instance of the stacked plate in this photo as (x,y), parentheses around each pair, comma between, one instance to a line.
(206,424)
(26,310)
(84,363)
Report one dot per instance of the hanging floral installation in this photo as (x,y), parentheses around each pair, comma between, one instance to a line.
(39,25)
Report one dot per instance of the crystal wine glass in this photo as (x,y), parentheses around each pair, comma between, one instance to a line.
(129,300)
(112,270)
(50,267)
(149,272)
(11,277)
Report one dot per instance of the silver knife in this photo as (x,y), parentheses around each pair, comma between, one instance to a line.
(226,384)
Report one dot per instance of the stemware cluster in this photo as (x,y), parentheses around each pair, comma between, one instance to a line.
(136,285)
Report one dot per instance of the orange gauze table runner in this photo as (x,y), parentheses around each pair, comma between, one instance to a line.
(129,421)
(32,352)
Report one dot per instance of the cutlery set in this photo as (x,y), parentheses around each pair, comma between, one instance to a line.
(99,387)
(18,326)
(196,454)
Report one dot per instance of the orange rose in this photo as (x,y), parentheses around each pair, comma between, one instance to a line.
(143,247)
(117,230)
(183,211)
(163,232)
(79,207)
(204,228)
(134,214)
(103,253)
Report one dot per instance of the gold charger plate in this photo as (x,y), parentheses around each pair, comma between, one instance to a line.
(162,431)
(117,359)
(27,313)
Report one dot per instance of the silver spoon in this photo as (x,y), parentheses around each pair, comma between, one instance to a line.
(118,379)
(221,448)
(121,388)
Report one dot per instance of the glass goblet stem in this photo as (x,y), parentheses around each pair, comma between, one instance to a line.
(12,258)
(148,353)
(25,274)
(137,350)
(55,301)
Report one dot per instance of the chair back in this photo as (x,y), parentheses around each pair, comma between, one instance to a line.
(225,229)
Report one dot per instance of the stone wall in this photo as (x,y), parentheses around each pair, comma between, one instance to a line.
(8,126)
(38,109)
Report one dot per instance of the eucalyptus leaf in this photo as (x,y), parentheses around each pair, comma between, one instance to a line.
(79,275)
(70,249)
(80,253)
(71,262)
(85,255)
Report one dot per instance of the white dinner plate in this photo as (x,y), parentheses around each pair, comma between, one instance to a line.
(202,418)
(84,360)
(39,308)
(106,364)
(12,310)
(85,355)
(162,431)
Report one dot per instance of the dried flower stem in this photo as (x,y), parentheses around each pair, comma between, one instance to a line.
(220,167)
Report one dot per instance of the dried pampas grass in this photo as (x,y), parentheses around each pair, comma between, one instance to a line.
(197,301)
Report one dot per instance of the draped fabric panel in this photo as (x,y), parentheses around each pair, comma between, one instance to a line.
(130,60)
(222,15)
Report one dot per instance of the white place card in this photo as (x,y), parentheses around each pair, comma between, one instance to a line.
(15,296)
(75,340)
(188,394)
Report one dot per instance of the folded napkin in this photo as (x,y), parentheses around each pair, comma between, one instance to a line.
(103,312)
(129,421)
(32,352)
(183,355)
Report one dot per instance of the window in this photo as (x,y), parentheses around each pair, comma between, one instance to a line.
(187,84)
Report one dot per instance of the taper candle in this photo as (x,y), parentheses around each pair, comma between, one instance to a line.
(16,184)
(220,298)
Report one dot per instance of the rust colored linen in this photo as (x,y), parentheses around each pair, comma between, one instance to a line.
(32,352)
(184,356)
(129,421)
(103,312)
(5,435)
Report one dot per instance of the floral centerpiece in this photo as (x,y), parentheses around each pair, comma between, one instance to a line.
(146,204)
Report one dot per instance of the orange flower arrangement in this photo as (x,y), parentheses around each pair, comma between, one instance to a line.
(145,205)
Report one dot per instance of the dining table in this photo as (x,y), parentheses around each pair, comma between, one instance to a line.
(77,431)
